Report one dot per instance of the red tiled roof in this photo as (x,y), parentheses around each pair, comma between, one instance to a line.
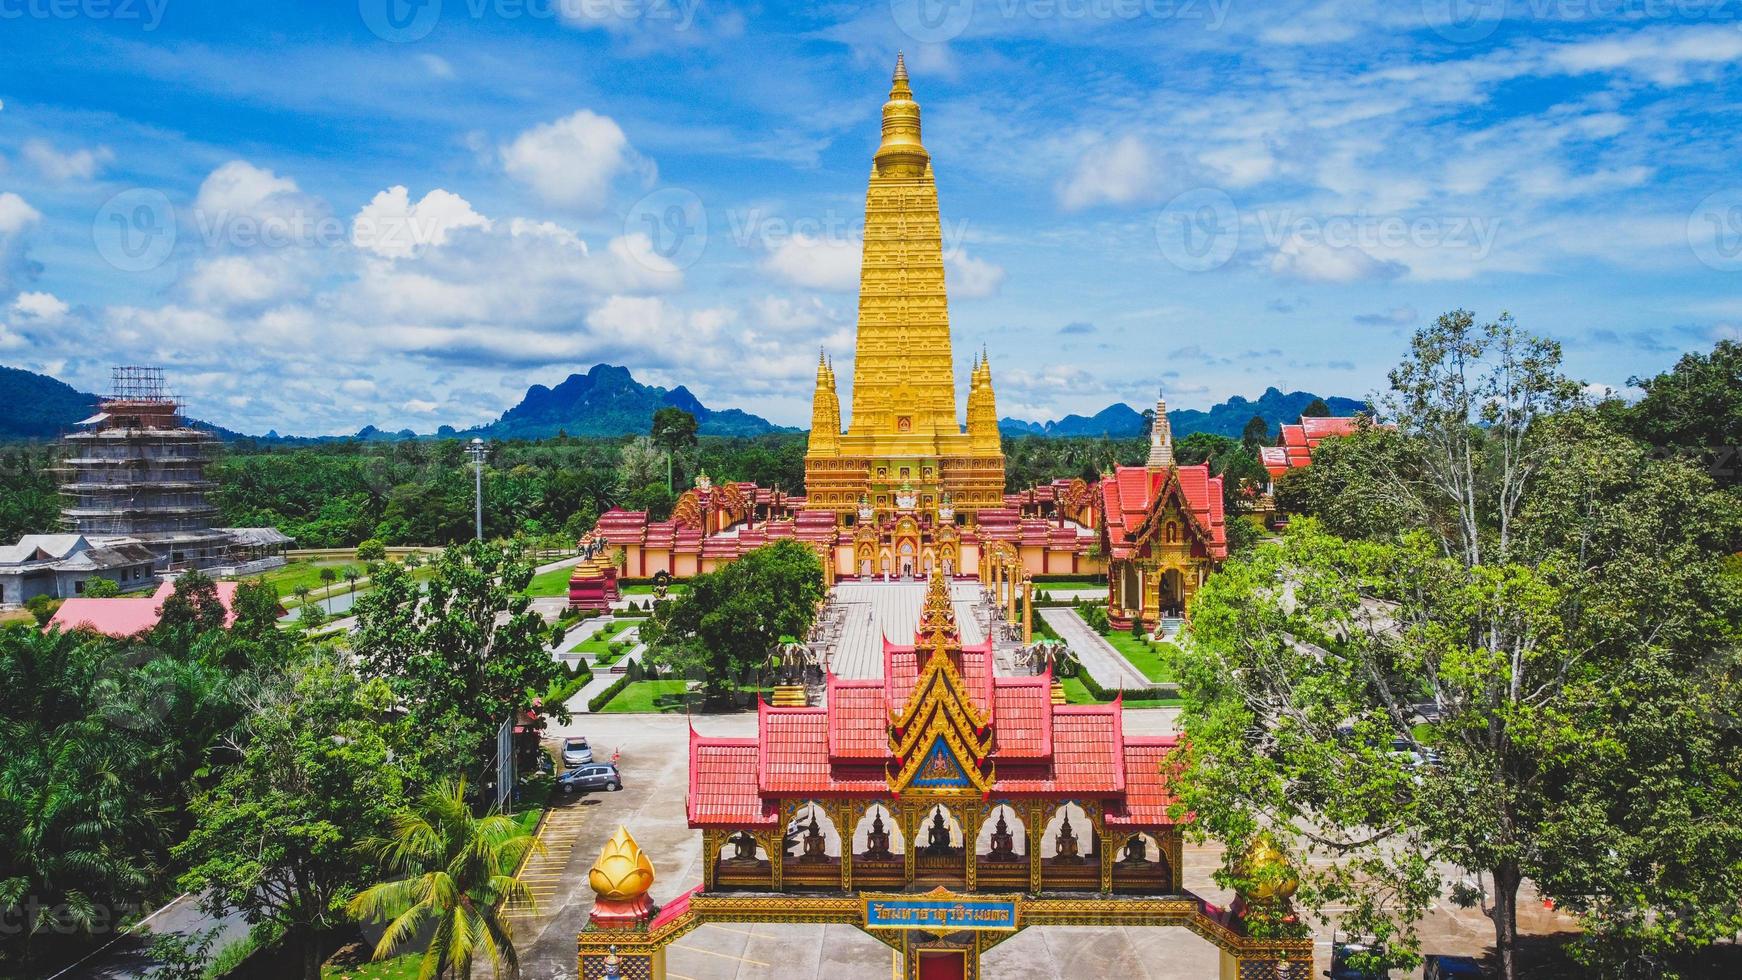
(1022,715)
(1132,492)
(793,757)
(1299,441)
(723,784)
(1146,794)
(858,720)
(1086,754)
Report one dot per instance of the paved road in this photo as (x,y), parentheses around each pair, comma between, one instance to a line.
(1101,659)
(130,955)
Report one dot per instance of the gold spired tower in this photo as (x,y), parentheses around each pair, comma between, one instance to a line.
(905,451)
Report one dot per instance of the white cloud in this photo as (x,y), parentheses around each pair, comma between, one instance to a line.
(61,167)
(249,279)
(391,225)
(573,161)
(1121,173)
(239,188)
(15,214)
(971,278)
(1301,258)
(40,306)
(817,263)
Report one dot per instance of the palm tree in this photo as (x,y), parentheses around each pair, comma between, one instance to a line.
(455,874)
(302,594)
(328,577)
(351,577)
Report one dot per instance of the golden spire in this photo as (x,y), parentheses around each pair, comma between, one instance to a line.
(622,873)
(901,153)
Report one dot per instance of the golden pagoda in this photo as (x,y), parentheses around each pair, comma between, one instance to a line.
(905,453)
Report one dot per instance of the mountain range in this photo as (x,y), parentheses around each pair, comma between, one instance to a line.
(608,401)
(1121,421)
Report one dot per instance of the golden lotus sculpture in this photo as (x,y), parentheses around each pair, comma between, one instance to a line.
(1273,877)
(622,873)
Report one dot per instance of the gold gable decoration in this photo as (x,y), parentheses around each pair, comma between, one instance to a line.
(940,707)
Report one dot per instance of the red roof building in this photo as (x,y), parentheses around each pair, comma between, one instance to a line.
(1163,531)
(126,616)
(938,773)
(1299,441)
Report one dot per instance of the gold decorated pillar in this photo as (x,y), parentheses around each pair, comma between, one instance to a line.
(1010,613)
(1027,609)
(615,941)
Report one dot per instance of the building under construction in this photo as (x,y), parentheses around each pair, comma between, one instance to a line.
(134,508)
(137,470)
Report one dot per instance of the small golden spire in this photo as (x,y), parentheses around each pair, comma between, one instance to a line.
(622,873)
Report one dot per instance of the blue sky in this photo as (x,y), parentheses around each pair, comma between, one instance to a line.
(325,214)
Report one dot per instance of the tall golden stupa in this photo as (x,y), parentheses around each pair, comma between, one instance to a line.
(905,453)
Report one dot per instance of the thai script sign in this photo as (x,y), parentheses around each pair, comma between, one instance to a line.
(940,915)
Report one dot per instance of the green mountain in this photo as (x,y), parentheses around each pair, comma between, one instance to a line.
(608,401)
(36,406)
(1120,421)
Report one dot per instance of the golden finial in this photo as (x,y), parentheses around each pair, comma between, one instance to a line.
(622,873)
(1273,878)
(901,154)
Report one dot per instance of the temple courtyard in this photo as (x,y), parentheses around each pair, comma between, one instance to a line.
(654,764)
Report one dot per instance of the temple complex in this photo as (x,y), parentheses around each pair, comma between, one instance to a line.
(905,487)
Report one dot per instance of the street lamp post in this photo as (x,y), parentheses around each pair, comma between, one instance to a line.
(478,450)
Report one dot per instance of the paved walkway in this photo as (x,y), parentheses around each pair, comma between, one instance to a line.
(874,610)
(1101,659)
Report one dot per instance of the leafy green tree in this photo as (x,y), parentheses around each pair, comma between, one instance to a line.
(640,462)
(352,574)
(1257,433)
(1463,688)
(42,608)
(372,550)
(98,587)
(454,878)
(277,837)
(723,627)
(674,430)
(1696,407)
(461,653)
(1316,409)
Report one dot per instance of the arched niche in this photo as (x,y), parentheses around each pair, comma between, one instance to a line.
(1014,825)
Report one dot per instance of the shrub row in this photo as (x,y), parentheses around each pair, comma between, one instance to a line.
(1165,692)
(604,697)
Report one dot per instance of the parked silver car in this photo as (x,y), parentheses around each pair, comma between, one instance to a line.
(576,752)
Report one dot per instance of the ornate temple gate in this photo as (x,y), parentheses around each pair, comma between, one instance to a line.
(984,808)
(940,935)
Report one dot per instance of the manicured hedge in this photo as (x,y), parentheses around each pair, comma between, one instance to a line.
(604,697)
(1165,692)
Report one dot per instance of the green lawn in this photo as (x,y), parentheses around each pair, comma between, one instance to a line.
(1155,660)
(645,589)
(598,645)
(290,577)
(552,583)
(664,697)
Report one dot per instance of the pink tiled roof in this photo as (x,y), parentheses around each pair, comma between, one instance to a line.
(1299,441)
(1087,754)
(858,720)
(1132,492)
(1023,716)
(723,784)
(127,616)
